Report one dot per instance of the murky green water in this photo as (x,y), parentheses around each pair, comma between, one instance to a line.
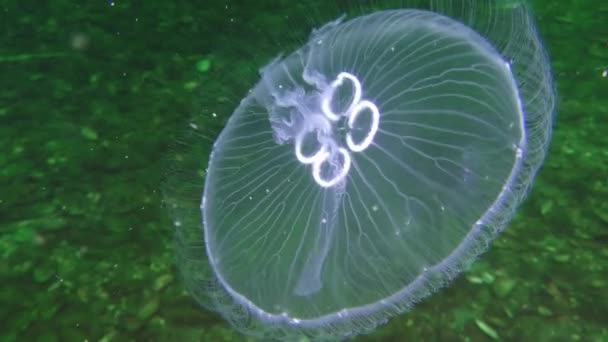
(95,94)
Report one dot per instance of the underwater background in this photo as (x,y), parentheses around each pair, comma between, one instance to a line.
(95,94)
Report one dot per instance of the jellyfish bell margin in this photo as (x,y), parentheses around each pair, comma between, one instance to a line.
(367,169)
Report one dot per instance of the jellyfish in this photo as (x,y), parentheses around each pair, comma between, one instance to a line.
(369,167)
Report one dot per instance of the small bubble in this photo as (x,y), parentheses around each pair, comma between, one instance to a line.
(375,207)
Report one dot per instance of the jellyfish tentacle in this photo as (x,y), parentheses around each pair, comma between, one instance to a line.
(310,279)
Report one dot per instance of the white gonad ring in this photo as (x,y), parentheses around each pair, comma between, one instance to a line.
(329,95)
(304,159)
(319,126)
(352,116)
(322,126)
(316,169)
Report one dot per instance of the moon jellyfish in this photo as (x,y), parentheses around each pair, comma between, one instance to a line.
(369,167)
